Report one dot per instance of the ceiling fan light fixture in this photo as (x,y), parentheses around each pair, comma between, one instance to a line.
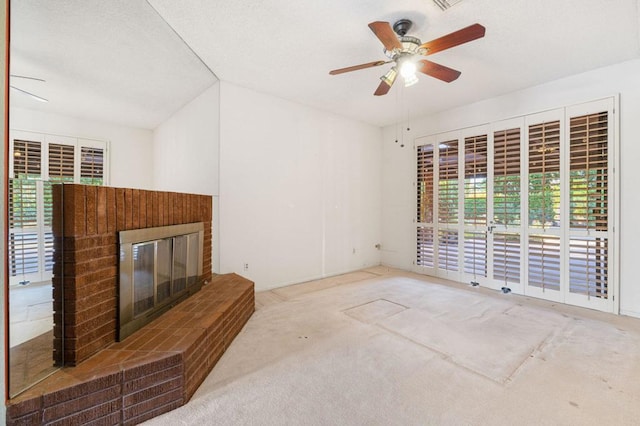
(410,81)
(408,71)
(390,76)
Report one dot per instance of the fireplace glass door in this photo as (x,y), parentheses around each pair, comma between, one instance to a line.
(158,268)
(163,268)
(143,277)
(179,263)
(192,261)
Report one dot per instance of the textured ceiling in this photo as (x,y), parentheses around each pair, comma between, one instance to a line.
(115,61)
(286,48)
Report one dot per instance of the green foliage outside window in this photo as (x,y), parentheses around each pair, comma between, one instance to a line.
(544,198)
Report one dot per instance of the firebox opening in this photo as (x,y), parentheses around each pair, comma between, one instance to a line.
(158,268)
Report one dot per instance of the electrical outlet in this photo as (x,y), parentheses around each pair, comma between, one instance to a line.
(245,267)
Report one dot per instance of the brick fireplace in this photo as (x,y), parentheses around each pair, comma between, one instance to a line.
(158,367)
(86,223)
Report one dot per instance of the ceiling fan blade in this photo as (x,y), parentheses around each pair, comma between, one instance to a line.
(36,97)
(438,71)
(456,38)
(358,67)
(28,78)
(382,89)
(385,34)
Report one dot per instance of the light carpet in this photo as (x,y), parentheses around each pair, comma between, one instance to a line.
(386,347)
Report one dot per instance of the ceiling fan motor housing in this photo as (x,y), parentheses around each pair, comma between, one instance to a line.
(402,27)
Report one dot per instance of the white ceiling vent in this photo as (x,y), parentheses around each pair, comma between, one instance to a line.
(445,4)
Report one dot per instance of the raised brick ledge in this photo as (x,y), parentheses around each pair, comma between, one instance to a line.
(155,370)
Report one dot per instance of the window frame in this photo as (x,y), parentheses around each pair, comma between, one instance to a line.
(43,229)
(610,105)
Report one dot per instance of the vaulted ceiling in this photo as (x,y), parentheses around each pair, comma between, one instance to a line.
(135,62)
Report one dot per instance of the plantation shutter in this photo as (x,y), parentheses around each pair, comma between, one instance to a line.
(588,172)
(506,205)
(448,183)
(506,177)
(506,257)
(544,261)
(448,195)
(23,224)
(448,250)
(475,205)
(27,159)
(544,175)
(425,247)
(61,162)
(544,205)
(475,180)
(23,208)
(589,205)
(424,214)
(61,169)
(92,165)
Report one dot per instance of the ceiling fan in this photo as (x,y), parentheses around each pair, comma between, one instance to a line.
(33,96)
(404,51)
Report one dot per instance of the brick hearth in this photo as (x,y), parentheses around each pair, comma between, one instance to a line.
(155,370)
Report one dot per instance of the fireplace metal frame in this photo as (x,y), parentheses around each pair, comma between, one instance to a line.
(128,322)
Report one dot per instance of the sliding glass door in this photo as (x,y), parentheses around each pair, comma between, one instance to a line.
(506,206)
(522,205)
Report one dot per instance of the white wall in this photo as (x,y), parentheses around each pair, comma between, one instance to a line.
(130,148)
(185,147)
(299,190)
(398,199)
(186,154)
